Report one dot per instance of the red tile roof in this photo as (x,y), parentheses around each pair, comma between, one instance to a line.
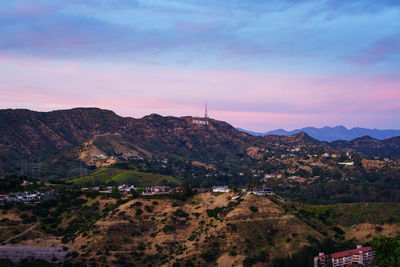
(350,252)
(346,253)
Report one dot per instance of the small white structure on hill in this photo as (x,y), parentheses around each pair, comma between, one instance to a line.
(220,189)
(351,163)
(263,191)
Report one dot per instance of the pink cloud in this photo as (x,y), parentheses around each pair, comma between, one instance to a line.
(256,100)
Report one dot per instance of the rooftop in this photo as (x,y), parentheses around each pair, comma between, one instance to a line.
(347,253)
(350,252)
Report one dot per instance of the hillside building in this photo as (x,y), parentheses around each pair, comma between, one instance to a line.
(351,163)
(262,191)
(220,189)
(360,255)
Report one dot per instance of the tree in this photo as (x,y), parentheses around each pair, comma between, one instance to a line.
(387,251)
(186,190)
(115,193)
(233,187)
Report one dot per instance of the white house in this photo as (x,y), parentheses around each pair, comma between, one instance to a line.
(351,163)
(262,191)
(220,189)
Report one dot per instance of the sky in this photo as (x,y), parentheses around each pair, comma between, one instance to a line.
(261,65)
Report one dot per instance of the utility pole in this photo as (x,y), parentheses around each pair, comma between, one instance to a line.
(1,169)
(36,170)
(24,167)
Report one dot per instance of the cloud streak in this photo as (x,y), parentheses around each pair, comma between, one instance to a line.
(200,33)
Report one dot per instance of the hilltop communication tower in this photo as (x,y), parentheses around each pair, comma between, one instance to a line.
(205,113)
(204,120)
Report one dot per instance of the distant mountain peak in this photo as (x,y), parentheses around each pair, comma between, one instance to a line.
(303,137)
(330,134)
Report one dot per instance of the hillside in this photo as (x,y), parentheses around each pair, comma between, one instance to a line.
(369,145)
(41,136)
(203,230)
(65,141)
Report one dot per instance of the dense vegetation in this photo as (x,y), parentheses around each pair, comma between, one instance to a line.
(360,185)
(387,251)
(13,183)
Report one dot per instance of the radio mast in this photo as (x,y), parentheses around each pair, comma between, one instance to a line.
(205,113)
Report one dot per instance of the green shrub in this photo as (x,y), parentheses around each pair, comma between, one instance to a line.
(139,212)
(214,212)
(253,209)
(169,228)
(180,213)
(149,208)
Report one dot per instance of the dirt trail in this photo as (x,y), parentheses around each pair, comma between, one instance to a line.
(285,217)
(22,233)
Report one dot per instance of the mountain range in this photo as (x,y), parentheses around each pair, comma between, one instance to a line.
(330,134)
(75,135)
(40,136)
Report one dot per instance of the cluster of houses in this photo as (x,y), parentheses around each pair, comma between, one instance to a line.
(101,156)
(146,191)
(26,197)
(159,189)
(361,256)
(162,189)
(124,189)
(262,191)
(296,178)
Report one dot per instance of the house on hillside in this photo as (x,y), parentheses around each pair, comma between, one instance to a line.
(262,191)
(220,189)
(200,190)
(351,163)
(271,176)
(360,255)
(126,188)
(158,189)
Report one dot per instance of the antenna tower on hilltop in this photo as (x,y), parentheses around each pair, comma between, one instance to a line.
(205,113)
